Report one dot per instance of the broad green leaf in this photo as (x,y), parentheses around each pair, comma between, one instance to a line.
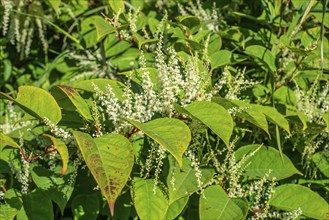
(290,197)
(185,182)
(117,49)
(87,85)
(141,41)
(37,205)
(263,54)
(321,160)
(55,4)
(248,112)
(138,4)
(175,208)
(80,104)
(188,21)
(38,103)
(217,205)
(215,43)
(265,159)
(62,150)
(7,212)
(103,27)
(172,134)
(12,206)
(137,74)
(302,117)
(88,32)
(243,204)
(110,159)
(117,6)
(274,116)
(85,206)
(56,186)
(220,58)
(149,205)
(5,140)
(214,116)
(325,117)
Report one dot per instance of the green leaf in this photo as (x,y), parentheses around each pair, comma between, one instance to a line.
(325,117)
(217,205)
(56,187)
(164,131)
(265,159)
(103,27)
(215,43)
(37,205)
(220,58)
(274,116)
(7,212)
(141,41)
(214,116)
(5,140)
(110,159)
(80,104)
(85,206)
(185,182)
(117,49)
(321,160)
(290,197)
(149,205)
(55,4)
(263,54)
(88,32)
(175,208)
(42,106)
(87,85)
(188,21)
(62,150)
(248,112)
(117,6)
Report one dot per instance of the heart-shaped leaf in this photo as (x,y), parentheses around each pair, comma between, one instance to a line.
(214,116)
(110,159)
(172,134)
(37,102)
(217,205)
(290,197)
(266,159)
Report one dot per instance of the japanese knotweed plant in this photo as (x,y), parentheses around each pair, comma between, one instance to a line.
(186,129)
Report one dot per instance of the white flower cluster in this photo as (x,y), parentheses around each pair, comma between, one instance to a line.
(11,120)
(211,18)
(260,193)
(59,132)
(295,214)
(312,102)
(195,164)
(132,19)
(7,6)
(21,34)
(89,65)
(233,84)
(161,153)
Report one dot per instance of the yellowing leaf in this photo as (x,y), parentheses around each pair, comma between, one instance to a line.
(110,159)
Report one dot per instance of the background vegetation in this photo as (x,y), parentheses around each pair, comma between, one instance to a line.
(164,109)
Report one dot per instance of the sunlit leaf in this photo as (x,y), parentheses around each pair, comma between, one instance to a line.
(291,197)
(217,205)
(110,159)
(214,116)
(172,134)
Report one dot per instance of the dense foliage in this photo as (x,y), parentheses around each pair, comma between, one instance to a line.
(164,109)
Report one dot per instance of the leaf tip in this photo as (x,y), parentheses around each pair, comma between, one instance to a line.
(111,205)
